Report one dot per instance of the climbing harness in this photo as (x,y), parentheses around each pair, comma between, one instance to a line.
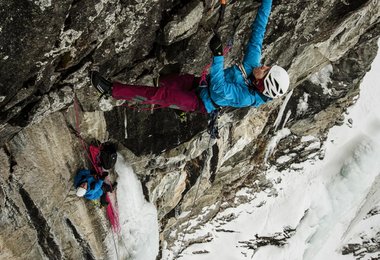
(213,129)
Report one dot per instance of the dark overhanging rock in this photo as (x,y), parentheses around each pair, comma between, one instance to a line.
(146,132)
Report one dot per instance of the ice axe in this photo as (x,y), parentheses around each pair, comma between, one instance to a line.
(222,9)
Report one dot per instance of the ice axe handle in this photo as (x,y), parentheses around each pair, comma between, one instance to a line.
(221,14)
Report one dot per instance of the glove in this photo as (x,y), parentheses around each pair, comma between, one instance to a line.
(216,45)
(103,176)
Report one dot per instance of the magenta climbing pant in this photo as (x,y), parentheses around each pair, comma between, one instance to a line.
(174,91)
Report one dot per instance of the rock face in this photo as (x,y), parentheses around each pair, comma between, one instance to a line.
(46,50)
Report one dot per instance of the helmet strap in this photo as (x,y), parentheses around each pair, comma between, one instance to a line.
(260,85)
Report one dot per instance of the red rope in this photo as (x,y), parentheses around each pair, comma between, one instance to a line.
(84,146)
(113,216)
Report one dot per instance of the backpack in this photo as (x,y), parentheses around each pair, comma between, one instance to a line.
(107,155)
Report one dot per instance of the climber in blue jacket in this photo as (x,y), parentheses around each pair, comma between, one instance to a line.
(247,84)
(92,186)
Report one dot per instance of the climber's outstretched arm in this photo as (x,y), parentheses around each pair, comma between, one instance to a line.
(252,55)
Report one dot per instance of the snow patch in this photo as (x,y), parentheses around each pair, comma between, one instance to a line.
(313,146)
(286,158)
(308,138)
(302,105)
(274,141)
(282,109)
(322,78)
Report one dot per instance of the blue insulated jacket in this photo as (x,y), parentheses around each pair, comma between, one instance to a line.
(227,86)
(86,176)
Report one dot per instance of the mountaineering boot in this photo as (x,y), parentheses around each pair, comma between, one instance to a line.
(101,84)
(103,200)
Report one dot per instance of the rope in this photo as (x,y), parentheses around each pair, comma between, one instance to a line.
(195,197)
(114,242)
(113,215)
(78,133)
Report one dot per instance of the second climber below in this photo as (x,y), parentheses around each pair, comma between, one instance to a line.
(92,186)
(247,84)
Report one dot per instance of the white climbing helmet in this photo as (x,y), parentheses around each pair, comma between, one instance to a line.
(81,192)
(276,82)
